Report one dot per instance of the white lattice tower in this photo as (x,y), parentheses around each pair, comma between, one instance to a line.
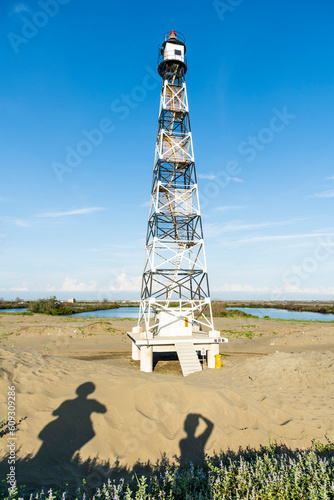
(175,279)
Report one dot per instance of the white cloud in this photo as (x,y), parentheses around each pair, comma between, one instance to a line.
(210,177)
(287,288)
(323,194)
(234,179)
(228,207)
(319,290)
(280,237)
(125,284)
(22,223)
(119,247)
(330,178)
(300,244)
(22,288)
(74,285)
(237,225)
(240,288)
(145,204)
(20,7)
(324,229)
(79,211)
(286,237)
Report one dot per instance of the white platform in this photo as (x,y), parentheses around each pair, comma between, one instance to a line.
(143,348)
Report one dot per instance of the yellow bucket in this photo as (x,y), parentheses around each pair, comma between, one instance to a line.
(218,361)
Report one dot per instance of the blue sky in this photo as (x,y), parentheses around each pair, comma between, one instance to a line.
(79,107)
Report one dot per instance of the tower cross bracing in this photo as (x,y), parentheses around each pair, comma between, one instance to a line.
(175,279)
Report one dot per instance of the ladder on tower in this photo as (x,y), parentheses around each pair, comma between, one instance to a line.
(182,245)
(177,268)
(186,352)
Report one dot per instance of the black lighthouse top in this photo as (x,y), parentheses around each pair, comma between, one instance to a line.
(172,54)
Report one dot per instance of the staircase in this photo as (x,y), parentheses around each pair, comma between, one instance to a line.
(188,358)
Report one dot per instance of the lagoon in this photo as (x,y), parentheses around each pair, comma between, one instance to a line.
(122,312)
(21,309)
(273,313)
(132,312)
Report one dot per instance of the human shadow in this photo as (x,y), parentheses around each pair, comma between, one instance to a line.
(192,447)
(73,428)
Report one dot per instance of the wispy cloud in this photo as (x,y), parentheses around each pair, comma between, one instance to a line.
(20,7)
(280,237)
(330,178)
(236,225)
(74,285)
(229,207)
(79,211)
(21,288)
(22,223)
(234,179)
(145,204)
(238,287)
(210,177)
(118,246)
(319,290)
(126,284)
(323,194)
(329,229)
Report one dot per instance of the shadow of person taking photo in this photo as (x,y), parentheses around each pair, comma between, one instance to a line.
(73,428)
(192,447)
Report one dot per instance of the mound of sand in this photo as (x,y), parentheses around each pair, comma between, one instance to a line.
(114,413)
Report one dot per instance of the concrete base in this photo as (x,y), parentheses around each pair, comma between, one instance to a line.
(143,347)
(135,352)
(213,349)
(146,359)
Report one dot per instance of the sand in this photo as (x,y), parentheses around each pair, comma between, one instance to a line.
(79,392)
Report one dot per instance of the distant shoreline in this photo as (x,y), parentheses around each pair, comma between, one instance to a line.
(321,307)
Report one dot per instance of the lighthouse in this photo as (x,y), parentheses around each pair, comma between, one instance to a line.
(175,307)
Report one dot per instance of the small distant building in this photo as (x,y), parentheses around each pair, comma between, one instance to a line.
(71,301)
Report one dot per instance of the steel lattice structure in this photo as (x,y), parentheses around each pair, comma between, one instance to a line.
(175,268)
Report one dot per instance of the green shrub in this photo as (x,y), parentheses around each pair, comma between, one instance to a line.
(270,473)
(44,305)
(219,310)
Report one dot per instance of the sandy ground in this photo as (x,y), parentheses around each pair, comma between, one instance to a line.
(79,392)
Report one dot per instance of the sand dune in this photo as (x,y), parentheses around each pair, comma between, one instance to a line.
(113,412)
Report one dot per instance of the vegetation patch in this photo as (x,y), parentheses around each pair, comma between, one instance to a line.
(219,311)
(13,304)
(232,333)
(272,472)
(56,307)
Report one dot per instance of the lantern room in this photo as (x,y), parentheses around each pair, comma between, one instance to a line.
(172,52)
